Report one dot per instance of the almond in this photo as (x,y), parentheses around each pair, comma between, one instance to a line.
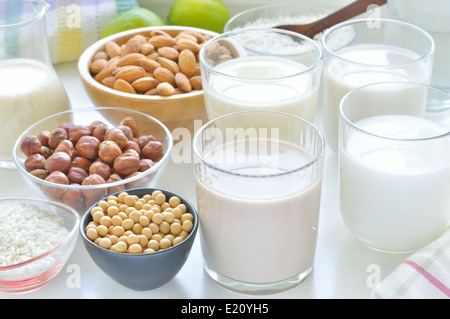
(196,82)
(123,86)
(146,48)
(109,81)
(105,73)
(144,84)
(98,65)
(130,59)
(160,41)
(133,45)
(183,44)
(164,75)
(165,89)
(168,64)
(185,35)
(169,53)
(186,62)
(182,82)
(148,64)
(130,73)
(112,49)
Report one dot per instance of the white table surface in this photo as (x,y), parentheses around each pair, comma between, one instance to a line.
(343,267)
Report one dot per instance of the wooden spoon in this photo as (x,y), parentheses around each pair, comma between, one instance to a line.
(349,11)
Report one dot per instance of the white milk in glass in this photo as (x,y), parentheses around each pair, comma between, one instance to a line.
(395,196)
(261,231)
(273,84)
(30,91)
(339,78)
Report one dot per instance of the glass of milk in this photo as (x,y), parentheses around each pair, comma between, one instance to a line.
(259,179)
(29,87)
(434,17)
(364,51)
(261,69)
(394,164)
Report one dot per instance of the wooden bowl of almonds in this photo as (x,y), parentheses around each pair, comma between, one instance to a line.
(154,70)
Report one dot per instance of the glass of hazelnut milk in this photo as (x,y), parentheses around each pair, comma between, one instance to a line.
(394,165)
(363,51)
(261,69)
(259,179)
(29,87)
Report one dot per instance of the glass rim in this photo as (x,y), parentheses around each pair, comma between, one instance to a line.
(291,34)
(39,13)
(316,157)
(347,23)
(352,125)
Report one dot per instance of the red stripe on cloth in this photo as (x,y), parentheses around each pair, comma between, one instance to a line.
(433,280)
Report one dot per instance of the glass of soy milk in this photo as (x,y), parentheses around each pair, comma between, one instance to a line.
(394,165)
(259,180)
(261,69)
(364,51)
(29,87)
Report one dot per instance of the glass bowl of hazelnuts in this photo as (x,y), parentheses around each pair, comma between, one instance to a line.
(79,156)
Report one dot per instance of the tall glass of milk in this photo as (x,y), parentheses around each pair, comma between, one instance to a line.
(261,69)
(364,51)
(434,17)
(29,87)
(259,179)
(394,165)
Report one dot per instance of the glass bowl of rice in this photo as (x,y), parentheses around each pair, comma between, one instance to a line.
(37,237)
(269,16)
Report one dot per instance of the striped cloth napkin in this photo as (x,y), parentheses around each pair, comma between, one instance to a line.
(424,275)
(73,25)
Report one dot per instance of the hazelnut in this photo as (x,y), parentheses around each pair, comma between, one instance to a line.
(94,179)
(145,164)
(44,137)
(59,161)
(99,131)
(118,136)
(66,126)
(73,197)
(57,136)
(132,124)
(35,161)
(118,188)
(108,151)
(133,145)
(87,146)
(30,145)
(81,162)
(131,151)
(94,124)
(77,131)
(56,177)
(128,132)
(40,173)
(76,174)
(153,150)
(126,164)
(46,151)
(144,139)
(66,146)
(100,168)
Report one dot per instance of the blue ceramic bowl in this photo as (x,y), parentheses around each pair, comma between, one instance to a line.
(141,271)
